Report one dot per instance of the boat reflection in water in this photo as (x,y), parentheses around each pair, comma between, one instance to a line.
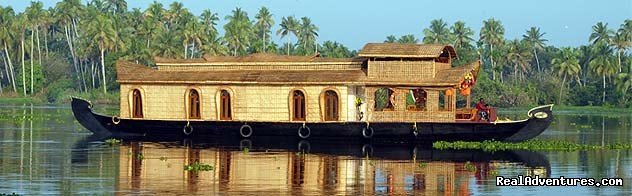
(287,166)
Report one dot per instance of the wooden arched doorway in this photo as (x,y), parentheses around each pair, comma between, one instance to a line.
(332,110)
(225,112)
(194,104)
(137,104)
(298,106)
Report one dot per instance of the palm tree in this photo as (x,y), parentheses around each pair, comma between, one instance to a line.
(34,15)
(620,44)
(192,33)
(534,38)
(116,6)
(238,31)
(390,39)
(334,50)
(408,39)
(6,34)
(519,55)
(600,33)
(166,45)
(438,33)
(602,64)
(462,35)
(307,33)
(492,33)
(289,25)
(566,64)
(104,37)
(623,82)
(263,25)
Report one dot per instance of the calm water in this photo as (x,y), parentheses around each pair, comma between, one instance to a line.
(44,151)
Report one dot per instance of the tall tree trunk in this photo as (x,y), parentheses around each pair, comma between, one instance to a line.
(6,51)
(46,41)
(559,101)
(491,57)
(31,58)
(68,33)
(192,50)
(39,48)
(6,69)
(537,61)
(619,58)
(288,45)
(603,101)
(264,40)
(23,66)
(92,73)
(105,91)
(185,50)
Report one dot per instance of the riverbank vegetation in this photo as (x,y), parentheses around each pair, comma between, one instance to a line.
(48,54)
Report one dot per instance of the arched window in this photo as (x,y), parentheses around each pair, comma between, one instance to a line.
(137,104)
(194,104)
(331,106)
(224,106)
(298,106)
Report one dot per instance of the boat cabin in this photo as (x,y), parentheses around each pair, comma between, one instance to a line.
(385,82)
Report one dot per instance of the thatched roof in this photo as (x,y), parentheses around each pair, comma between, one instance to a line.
(259,58)
(134,73)
(397,50)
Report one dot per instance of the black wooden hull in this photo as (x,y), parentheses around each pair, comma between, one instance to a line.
(539,119)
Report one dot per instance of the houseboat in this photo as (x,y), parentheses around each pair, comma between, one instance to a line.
(404,91)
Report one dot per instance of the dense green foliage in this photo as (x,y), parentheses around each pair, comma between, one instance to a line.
(71,49)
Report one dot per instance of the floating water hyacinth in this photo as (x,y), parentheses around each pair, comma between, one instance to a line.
(196,167)
(533,145)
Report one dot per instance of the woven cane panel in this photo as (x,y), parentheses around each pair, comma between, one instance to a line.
(401,70)
(249,103)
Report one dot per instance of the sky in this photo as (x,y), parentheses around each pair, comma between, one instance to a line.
(355,22)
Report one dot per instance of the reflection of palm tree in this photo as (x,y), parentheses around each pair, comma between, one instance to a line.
(438,33)
(534,38)
(566,64)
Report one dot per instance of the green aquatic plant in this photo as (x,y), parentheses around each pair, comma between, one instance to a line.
(197,167)
(112,141)
(532,145)
(12,194)
(469,167)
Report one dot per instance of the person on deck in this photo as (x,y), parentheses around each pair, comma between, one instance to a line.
(483,110)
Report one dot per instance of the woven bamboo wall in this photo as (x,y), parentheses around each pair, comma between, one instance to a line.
(399,113)
(250,103)
(401,70)
(267,66)
(442,66)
